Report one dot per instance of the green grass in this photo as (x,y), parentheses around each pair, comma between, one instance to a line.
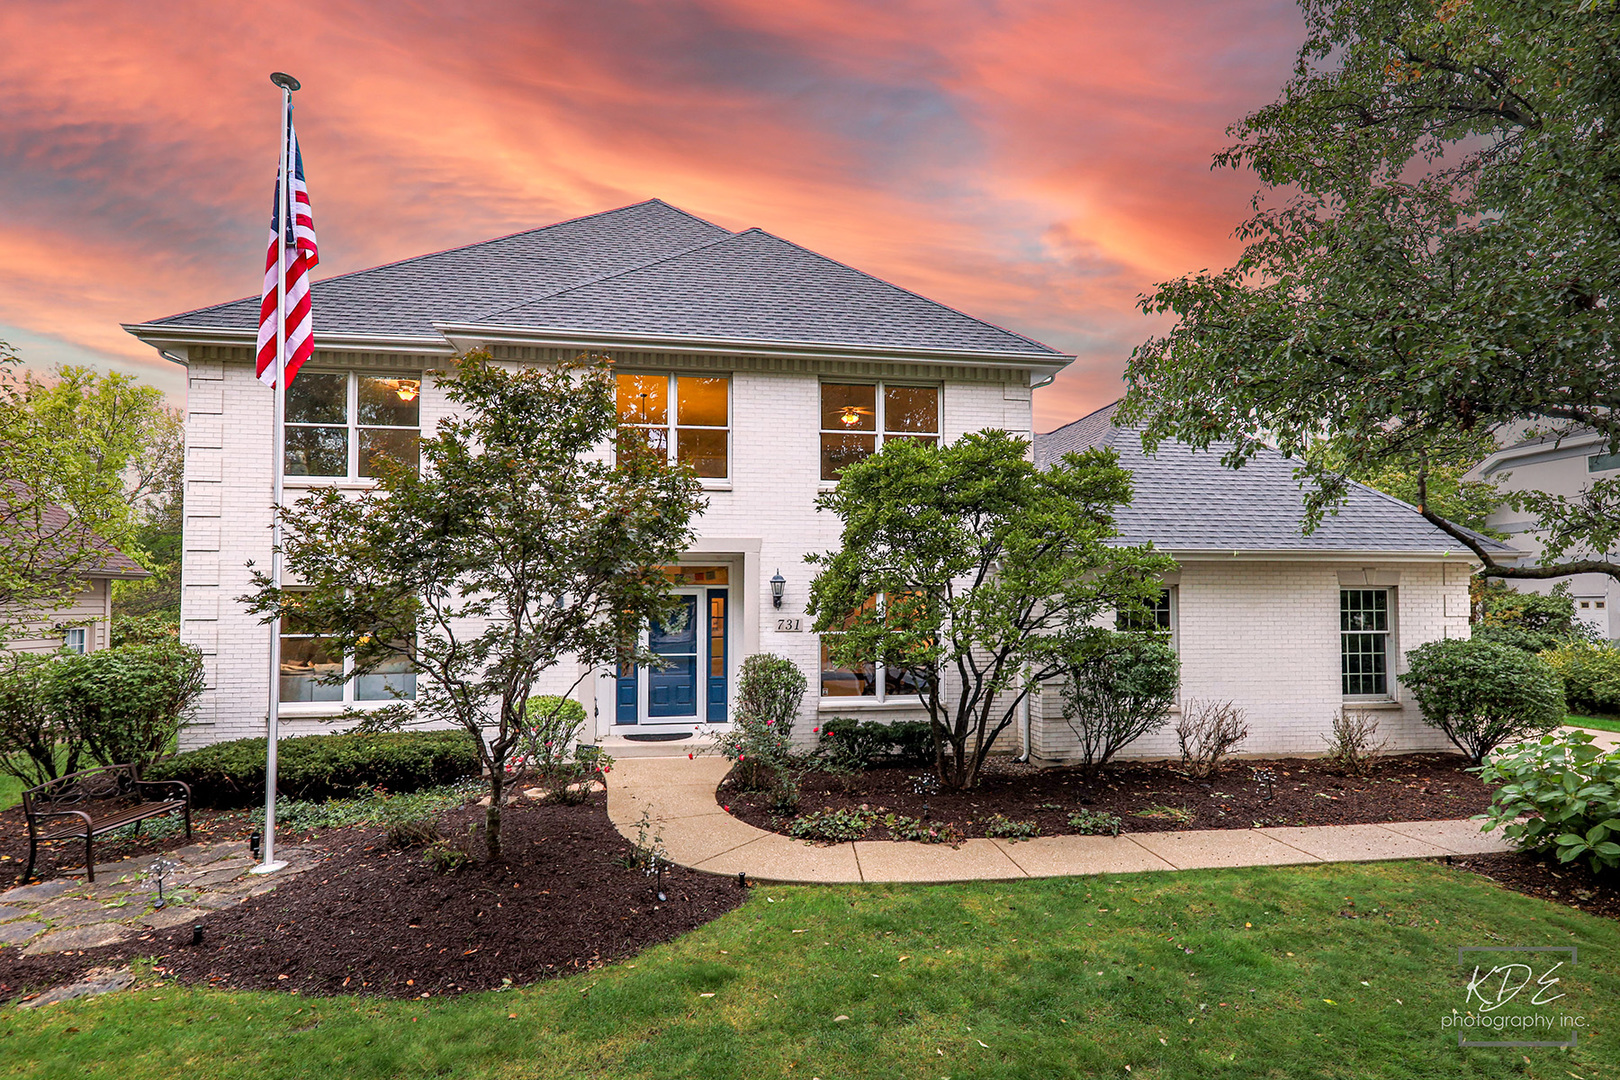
(1242,973)
(1601,723)
(11,790)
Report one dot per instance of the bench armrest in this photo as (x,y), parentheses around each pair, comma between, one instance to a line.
(185,788)
(36,815)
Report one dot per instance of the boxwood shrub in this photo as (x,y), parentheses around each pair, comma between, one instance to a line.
(873,742)
(230,775)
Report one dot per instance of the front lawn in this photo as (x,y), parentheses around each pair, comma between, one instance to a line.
(1324,971)
(1601,723)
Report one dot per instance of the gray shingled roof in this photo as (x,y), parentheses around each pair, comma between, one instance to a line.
(51,538)
(406,298)
(646,269)
(1186,500)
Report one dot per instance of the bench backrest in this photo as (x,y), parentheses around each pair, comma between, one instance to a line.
(84,786)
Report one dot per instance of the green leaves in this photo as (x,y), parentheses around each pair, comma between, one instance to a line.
(974,573)
(1435,254)
(1566,790)
(1483,694)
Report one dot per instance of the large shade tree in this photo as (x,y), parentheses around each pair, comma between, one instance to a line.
(973,576)
(1434,257)
(521,546)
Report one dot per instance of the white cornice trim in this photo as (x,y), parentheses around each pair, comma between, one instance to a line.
(161,336)
(468,335)
(1459,554)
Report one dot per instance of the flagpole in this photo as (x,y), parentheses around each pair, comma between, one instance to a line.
(278,435)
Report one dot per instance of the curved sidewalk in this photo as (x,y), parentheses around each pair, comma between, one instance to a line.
(678,796)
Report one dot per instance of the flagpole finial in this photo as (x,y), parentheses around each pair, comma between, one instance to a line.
(285,81)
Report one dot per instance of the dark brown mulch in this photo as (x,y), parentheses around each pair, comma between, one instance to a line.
(1570,884)
(1305,791)
(372,920)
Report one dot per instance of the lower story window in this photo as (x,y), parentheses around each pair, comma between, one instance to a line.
(874,681)
(1364,642)
(309,660)
(74,638)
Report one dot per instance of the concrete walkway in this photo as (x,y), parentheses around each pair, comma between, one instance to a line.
(677,794)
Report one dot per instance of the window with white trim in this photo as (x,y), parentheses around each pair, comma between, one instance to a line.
(696,431)
(308,658)
(341,424)
(857,418)
(1602,462)
(75,639)
(1364,631)
(873,681)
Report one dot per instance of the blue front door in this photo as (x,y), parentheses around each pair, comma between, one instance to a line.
(672,685)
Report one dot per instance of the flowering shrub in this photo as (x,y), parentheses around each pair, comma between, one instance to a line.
(760,738)
(549,750)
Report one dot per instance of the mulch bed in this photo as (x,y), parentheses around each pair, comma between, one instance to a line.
(1570,884)
(1305,791)
(373,920)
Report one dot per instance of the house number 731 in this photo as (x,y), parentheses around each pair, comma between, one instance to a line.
(789,626)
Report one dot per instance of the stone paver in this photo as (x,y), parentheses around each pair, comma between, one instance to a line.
(14,911)
(80,937)
(15,933)
(163,918)
(678,795)
(44,890)
(95,981)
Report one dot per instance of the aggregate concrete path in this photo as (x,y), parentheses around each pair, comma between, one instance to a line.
(677,795)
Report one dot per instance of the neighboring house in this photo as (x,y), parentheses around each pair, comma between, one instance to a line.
(766,366)
(1558,465)
(85,623)
(1289,626)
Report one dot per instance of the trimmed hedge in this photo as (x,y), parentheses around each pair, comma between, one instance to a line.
(873,743)
(230,775)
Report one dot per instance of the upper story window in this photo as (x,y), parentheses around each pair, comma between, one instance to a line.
(1364,642)
(685,417)
(340,424)
(857,417)
(1602,462)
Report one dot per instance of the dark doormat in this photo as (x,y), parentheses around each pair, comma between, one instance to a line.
(660,736)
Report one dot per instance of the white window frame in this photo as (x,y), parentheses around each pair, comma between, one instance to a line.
(352,425)
(1389,635)
(346,699)
(1171,593)
(880,682)
(672,424)
(76,639)
(879,432)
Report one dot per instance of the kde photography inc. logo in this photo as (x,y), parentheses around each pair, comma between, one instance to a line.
(1514,996)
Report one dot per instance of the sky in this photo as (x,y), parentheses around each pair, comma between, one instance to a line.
(1036,163)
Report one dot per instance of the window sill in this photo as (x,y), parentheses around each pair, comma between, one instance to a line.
(715,485)
(304,710)
(343,482)
(841,704)
(1373,703)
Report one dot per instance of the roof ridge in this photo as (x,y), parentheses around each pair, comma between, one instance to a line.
(461,247)
(902,288)
(481,316)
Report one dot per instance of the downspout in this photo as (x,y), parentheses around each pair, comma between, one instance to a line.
(1023,729)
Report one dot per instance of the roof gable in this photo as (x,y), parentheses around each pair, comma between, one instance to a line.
(1186,500)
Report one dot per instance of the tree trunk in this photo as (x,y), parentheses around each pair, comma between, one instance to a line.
(492,815)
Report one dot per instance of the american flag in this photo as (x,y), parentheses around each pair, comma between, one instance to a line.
(295,249)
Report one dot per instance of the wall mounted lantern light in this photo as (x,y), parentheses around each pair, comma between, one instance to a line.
(778,586)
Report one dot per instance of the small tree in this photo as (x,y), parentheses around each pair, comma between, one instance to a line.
(974,576)
(1483,694)
(34,744)
(1119,688)
(519,547)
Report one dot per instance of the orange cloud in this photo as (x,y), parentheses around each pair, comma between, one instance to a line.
(1038,163)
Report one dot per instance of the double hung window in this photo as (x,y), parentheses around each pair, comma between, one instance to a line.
(341,425)
(874,681)
(1364,629)
(857,418)
(687,418)
(308,658)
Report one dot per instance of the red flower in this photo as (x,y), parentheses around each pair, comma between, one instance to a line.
(688,757)
(727,809)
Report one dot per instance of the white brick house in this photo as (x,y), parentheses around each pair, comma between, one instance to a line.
(766,367)
(763,364)
(1291,627)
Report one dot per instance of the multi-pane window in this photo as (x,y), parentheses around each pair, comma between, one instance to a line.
(687,418)
(74,639)
(340,425)
(875,681)
(856,419)
(1156,616)
(307,658)
(1364,642)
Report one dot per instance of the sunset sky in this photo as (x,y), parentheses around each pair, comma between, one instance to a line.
(1037,163)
